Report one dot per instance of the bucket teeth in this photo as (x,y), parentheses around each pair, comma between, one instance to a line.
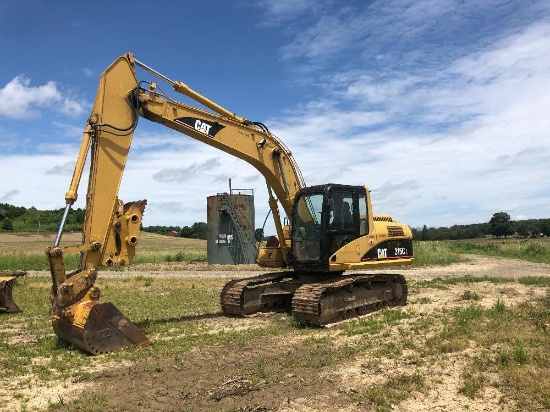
(7,280)
(98,328)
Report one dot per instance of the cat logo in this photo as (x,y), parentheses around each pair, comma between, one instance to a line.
(202,127)
(382,253)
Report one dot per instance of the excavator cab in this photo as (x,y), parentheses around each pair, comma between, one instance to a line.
(325,218)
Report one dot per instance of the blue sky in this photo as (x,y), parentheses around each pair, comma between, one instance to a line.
(441,107)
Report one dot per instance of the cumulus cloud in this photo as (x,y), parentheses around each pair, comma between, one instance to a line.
(170,207)
(20,100)
(444,131)
(64,169)
(182,174)
(8,195)
(280,11)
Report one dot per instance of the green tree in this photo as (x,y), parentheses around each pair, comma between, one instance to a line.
(199,230)
(425,234)
(500,225)
(259,234)
(186,232)
(544,227)
(523,229)
(6,224)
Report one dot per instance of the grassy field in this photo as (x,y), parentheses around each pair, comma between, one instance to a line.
(533,250)
(446,252)
(156,252)
(462,327)
(509,345)
(24,251)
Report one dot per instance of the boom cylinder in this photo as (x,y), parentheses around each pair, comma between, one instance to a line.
(182,88)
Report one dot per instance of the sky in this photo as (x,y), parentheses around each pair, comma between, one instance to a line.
(441,107)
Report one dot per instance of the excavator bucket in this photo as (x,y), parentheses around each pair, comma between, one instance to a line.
(98,328)
(7,280)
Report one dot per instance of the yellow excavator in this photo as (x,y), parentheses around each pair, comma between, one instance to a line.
(328,228)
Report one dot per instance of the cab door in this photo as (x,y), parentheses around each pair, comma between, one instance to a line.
(342,217)
(308,226)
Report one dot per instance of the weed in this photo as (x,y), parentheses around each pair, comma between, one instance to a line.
(394,391)
(531,250)
(519,353)
(261,371)
(472,384)
(423,300)
(499,306)
(535,281)
(469,295)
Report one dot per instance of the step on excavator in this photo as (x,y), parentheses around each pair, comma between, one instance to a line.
(328,229)
(7,281)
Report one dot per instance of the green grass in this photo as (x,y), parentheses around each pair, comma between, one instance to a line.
(534,250)
(447,252)
(435,253)
(171,320)
(25,252)
(28,254)
(510,342)
(469,295)
(390,393)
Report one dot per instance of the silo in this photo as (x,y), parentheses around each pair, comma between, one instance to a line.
(230,221)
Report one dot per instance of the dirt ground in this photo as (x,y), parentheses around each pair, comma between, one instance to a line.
(215,378)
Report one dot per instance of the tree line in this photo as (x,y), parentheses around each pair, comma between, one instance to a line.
(197,230)
(21,219)
(500,225)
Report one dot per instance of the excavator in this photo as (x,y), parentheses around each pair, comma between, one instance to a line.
(328,229)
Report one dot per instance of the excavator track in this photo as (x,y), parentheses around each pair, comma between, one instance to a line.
(268,291)
(318,303)
(344,297)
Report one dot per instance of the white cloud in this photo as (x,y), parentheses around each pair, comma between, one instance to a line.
(182,174)
(20,100)
(461,140)
(66,169)
(329,36)
(8,195)
(440,107)
(279,11)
